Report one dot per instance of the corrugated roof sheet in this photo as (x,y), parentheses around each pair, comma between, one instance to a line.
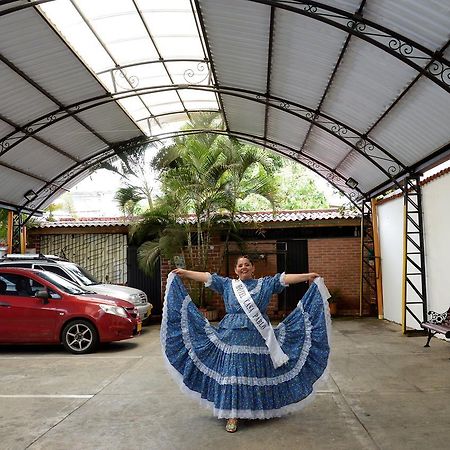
(365,84)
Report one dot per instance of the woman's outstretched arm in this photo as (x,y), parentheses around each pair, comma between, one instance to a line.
(192,275)
(294,278)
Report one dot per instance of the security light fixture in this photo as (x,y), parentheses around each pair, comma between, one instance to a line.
(351,183)
(30,195)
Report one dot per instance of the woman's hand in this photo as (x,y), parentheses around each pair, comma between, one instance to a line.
(312,276)
(180,272)
(294,278)
(202,277)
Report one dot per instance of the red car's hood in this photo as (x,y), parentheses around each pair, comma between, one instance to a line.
(104,299)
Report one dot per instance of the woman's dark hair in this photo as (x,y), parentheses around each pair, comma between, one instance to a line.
(246,257)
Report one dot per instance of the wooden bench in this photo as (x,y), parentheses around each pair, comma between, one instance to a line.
(437,323)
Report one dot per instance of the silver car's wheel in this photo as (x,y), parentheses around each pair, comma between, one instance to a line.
(80,337)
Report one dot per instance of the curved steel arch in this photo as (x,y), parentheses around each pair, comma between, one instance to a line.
(336,128)
(57,183)
(401,47)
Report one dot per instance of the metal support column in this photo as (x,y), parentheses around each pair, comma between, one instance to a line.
(17,233)
(367,287)
(414,293)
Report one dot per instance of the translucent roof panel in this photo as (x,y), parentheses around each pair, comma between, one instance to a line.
(362,88)
(140,47)
(240,33)
(366,75)
(302,42)
(286,129)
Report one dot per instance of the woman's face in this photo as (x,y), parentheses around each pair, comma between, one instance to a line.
(244,269)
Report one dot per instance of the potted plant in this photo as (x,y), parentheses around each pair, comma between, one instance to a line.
(335,295)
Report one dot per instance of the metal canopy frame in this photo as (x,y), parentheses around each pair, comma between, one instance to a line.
(360,152)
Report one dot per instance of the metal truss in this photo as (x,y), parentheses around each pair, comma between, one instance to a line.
(52,188)
(414,294)
(18,233)
(377,155)
(367,287)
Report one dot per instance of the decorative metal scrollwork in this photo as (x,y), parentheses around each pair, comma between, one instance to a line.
(355,25)
(368,149)
(6,142)
(440,70)
(401,47)
(310,8)
(118,77)
(197,77)
(337,129)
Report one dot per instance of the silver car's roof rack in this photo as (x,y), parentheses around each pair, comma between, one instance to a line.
(33,256)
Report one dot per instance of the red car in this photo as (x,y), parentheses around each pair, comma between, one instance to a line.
(42,307)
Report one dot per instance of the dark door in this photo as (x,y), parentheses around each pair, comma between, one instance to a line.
(151,285)
(292,258)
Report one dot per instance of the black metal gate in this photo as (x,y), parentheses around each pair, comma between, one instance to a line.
(292,257)
(138,279)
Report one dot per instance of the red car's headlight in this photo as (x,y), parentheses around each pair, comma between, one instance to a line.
(115,310)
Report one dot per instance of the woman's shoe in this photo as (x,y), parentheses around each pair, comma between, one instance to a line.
(231,425)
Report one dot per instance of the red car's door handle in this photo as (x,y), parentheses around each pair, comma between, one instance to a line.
(6,305)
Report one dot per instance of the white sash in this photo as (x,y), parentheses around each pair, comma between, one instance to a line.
(265,328)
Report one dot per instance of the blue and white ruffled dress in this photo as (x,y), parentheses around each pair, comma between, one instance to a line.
(228,367)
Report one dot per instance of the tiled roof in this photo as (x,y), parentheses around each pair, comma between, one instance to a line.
(250,217)
(85,222)
(295,216)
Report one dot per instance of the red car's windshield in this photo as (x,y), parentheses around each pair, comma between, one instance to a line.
(62,283)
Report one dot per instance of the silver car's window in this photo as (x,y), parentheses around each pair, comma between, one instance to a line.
(62,284)
(54,269)
(81,274)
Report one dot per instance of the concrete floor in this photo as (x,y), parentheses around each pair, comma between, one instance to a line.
(385,391)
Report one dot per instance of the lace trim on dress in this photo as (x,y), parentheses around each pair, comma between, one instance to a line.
(255,350)
(209,280)
(249,381)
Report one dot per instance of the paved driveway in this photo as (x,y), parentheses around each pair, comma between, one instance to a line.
(385,391)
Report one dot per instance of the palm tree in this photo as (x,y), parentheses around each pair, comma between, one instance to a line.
(130,162)
(201,182)
(128,199)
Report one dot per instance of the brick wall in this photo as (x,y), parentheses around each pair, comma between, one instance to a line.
(265,264)
(338,261)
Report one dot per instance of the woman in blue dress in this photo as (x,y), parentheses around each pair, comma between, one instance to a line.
(243,368)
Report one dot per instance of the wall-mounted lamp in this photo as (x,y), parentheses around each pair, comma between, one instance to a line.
(30,195)
(351,183)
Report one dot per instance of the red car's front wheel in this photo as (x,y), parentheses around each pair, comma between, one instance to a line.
(80,337)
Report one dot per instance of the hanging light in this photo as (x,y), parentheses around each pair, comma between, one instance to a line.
(30,195)
(351,183)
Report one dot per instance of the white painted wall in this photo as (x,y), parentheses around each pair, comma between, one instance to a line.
(436,217)
(436,207)
(390,227)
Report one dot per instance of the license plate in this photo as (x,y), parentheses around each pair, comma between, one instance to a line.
(139,327)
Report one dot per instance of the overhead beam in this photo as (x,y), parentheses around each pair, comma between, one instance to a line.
(334,178)
(384,161)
